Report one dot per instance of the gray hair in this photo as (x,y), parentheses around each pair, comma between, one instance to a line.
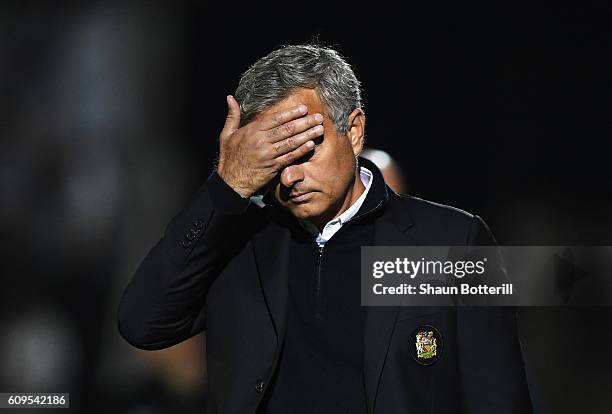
(275,76)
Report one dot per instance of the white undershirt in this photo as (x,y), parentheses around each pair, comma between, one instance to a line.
(334,225)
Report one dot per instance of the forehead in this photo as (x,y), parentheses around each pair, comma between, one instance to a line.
(308,97)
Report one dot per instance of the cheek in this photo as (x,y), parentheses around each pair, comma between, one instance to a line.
(336,180)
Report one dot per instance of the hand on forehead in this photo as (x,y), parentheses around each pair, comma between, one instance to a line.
(306,97)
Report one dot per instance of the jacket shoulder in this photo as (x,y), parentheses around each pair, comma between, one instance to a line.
(436,222)
(430,209)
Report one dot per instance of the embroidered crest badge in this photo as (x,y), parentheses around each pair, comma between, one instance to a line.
(427,346)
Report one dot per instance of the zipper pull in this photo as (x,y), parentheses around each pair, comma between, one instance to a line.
(320,254)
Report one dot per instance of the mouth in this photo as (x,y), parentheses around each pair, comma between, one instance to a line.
(300,197)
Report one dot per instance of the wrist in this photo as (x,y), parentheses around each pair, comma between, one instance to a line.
(224,197)
(242,191)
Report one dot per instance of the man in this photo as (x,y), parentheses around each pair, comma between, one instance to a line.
(274,280)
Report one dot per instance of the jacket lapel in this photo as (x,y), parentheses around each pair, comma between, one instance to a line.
(271,250)
(390,230)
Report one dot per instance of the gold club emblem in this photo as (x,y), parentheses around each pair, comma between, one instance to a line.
(426,345)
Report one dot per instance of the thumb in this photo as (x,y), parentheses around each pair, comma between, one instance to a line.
(232,122)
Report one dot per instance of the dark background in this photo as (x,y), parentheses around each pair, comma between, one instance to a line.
(109,116)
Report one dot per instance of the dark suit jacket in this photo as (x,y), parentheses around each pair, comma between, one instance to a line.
(224,270)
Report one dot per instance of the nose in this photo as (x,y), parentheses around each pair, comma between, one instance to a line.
(291,175)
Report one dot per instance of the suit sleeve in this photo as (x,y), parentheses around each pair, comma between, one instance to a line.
(490,357)
(163,303)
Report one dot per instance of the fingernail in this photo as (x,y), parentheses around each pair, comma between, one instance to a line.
(310,144)
(318,117)
(302,109)
(319,129)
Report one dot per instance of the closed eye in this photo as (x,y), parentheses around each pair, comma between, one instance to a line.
(317,141)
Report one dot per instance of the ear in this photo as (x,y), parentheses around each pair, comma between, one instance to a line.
(356,130)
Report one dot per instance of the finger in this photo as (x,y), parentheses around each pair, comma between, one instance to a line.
(278,118)
(283,147)
(296,154)
(232,121)
(294,127)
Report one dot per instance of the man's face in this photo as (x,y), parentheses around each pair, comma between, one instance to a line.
(319,187)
